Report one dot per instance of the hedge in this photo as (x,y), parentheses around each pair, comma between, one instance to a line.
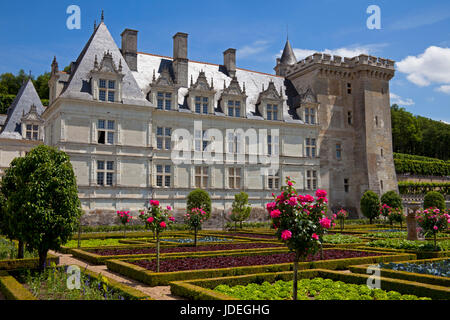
(420,254)
(418,167)
(28,263)
(203,289)
(12,289)
(164,278)
(410,187)
(403,156)
(410,276)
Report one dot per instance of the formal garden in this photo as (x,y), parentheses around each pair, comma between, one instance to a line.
(304,250)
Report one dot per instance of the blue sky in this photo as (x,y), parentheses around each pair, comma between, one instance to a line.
(416,34)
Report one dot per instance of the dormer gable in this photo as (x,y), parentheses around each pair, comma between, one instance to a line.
(163,92)
(233,99)
(270,103)
(32,124)
(106,79)
(201,95)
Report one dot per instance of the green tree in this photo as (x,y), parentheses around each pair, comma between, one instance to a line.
(392,199)
(434,199)
(370,205)
(41,85)
(199,199)
(41,200)
(240,209)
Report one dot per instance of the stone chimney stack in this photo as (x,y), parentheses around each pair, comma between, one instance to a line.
(129,48)
(229,61)
(180,60)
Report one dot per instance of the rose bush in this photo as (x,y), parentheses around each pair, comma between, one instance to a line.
(124,218)
(194,219)
(432,221)
(341,216)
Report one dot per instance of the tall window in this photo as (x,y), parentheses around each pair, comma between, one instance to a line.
(164,100)
(311,180)
(107,90)
(234,143)
(200,140)
(163,138)
(273,181)
(105,131)
(163,175)
(32,132)
(105,174)
(310,115)
(350,118)
(311,147)
(272,145)
(234,178)
(349,88)
(234,108)
(338,151)
(346,185)
(201,105)
(272,112)
(201,177)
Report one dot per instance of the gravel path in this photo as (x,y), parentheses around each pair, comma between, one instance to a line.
(157,293)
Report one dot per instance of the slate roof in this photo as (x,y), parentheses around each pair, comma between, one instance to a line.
(288,56)
(26,97)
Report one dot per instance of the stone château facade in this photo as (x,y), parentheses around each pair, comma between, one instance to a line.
(323,121)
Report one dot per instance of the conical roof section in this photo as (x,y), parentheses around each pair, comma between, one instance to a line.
(79,86)
(288,56)
(26,97)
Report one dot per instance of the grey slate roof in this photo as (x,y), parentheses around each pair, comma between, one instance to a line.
(2,119)
(288,56)
(21,105)
(79,86)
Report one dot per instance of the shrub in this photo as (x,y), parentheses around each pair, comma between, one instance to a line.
(370,205)
(240,208)
(434,199)
(199,199)
(392,199)
(432,221)
(194,219)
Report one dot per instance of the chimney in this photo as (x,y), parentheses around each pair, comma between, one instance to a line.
(229,61)
(180,60)
(129,48)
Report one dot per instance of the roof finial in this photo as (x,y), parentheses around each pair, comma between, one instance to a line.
(120,65)
(244,88)
(154,76)
(212,83)
(192,80)
(103,15)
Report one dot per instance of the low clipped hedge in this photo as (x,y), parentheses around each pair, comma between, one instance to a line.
(164,278)
(28,263)
(420,167)
(13,289)
(412,187)
(420,254)
(202,289)
(410,276)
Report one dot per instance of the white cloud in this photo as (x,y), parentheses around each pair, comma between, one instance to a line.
(396,99)
(430,67)
(444,89)
(252,49)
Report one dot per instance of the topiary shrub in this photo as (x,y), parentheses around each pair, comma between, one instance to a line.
(370,205)
(392,199)
(199,199)
(434,199)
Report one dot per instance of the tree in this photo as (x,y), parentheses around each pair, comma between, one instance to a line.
(240,209)
(199,199)
(41,200)
(392,199)
(194,219)
(434,199)
(370,205)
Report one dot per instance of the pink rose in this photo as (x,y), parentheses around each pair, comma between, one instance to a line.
(150,220)
(163,224)
(169,208)
(154,203)
(325,223)
(292,201)
(142,213)
(270,206)
(315,236)
(435,228)
(308,198)
(289,183)
(172,219)
(321,193)
(275,214)
(286,235)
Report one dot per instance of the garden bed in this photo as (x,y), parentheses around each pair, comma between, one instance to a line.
(203,289)
(423,271)
(226,264)
(28,263)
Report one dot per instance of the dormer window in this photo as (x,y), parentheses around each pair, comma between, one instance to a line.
(310,115)
(164,100)
(270,103)
(32,132)
(201,95)
(106,92)
(201,105)
(272,112)
(234,108)
(106,79)
(32,125)
(233,99)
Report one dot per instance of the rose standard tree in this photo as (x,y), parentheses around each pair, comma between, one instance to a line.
(194,219)
(158,220)
(432,221)
(40,200)
(299,222)
(124,218)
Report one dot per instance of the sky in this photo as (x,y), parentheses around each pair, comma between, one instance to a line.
(414,33)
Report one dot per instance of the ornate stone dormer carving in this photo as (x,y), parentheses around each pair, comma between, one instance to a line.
(201,95)
(32,125)
(107,79)
(163,92)
(308,108)
(270,103)
(233,99)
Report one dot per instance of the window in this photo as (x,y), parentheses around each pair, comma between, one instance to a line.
(273,181)
(200,140)
(349,88)
(164,100)
(201,105)
(105,175)
(107,91)
(234,108)
(382,153)
(310,115)
(32,132)
(234,178)
(272,112)
(311,147)
(346,185)
(163,138)
(350,118)
(376,121)
(163,175)
(311,180)
(338,151)
(201,177)
(381,185)
(105,131)
(272,145)
(234,142)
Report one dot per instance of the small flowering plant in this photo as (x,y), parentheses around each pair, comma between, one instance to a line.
(432,221)
(124,218)
(195,219)
(341,215)
(300,221)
